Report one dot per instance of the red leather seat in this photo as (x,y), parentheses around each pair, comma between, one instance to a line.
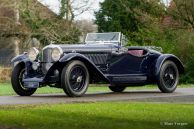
(136,52)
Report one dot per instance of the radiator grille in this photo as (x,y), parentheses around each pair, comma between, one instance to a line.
(46,59)
(46,55)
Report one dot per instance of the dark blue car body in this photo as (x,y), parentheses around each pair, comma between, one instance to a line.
(107,62)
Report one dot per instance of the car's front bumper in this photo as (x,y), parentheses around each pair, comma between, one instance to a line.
(38,78)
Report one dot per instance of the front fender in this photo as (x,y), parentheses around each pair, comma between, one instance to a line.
(20,58)
(166,57)
(71,56)
(93,69)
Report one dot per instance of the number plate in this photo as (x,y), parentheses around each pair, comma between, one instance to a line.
(31,84)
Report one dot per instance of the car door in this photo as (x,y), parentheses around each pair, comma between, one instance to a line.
(129,62)
(127,66)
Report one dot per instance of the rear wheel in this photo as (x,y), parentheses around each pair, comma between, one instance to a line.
(169,77)
(17,83)
(75,79)
(117,88)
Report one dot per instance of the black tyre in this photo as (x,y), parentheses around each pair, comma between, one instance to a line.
(117,88)
(17,84)
(168,77)
(75,79)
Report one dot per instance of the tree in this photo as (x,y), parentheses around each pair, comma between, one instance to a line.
(131,17)
(66,11)
(69,9)
(45,25)
(9,18)
(183,12)
(86,27)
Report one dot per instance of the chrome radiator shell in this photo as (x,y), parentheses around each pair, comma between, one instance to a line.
(46,59)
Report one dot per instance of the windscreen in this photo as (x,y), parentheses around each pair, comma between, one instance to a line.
(104,37)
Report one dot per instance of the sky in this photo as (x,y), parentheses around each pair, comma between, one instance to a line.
(88,15)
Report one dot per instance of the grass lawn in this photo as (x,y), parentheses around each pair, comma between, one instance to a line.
(107,115)
(115,115)
(6,89)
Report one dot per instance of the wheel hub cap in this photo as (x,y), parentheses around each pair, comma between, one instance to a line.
(79,79)
(170,76)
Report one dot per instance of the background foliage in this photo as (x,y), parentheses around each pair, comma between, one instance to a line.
(150,22)
(144,22)
(47,28)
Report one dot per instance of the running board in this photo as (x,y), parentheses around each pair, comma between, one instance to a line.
(127,78)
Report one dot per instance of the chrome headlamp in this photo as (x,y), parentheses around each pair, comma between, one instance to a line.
(56,53)
(32,54)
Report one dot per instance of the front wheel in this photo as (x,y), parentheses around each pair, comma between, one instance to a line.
(75,79)
(17,83)
(168,77)
(117,88)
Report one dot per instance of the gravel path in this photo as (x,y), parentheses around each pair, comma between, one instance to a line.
(182,95)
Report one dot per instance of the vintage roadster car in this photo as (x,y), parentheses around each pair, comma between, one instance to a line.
(103,58)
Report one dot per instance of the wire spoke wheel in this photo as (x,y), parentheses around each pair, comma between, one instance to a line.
(17,81)
(117,88)
(21,77)
(75,79)
(169,77)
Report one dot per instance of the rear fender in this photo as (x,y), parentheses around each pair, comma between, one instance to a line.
(168,57)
